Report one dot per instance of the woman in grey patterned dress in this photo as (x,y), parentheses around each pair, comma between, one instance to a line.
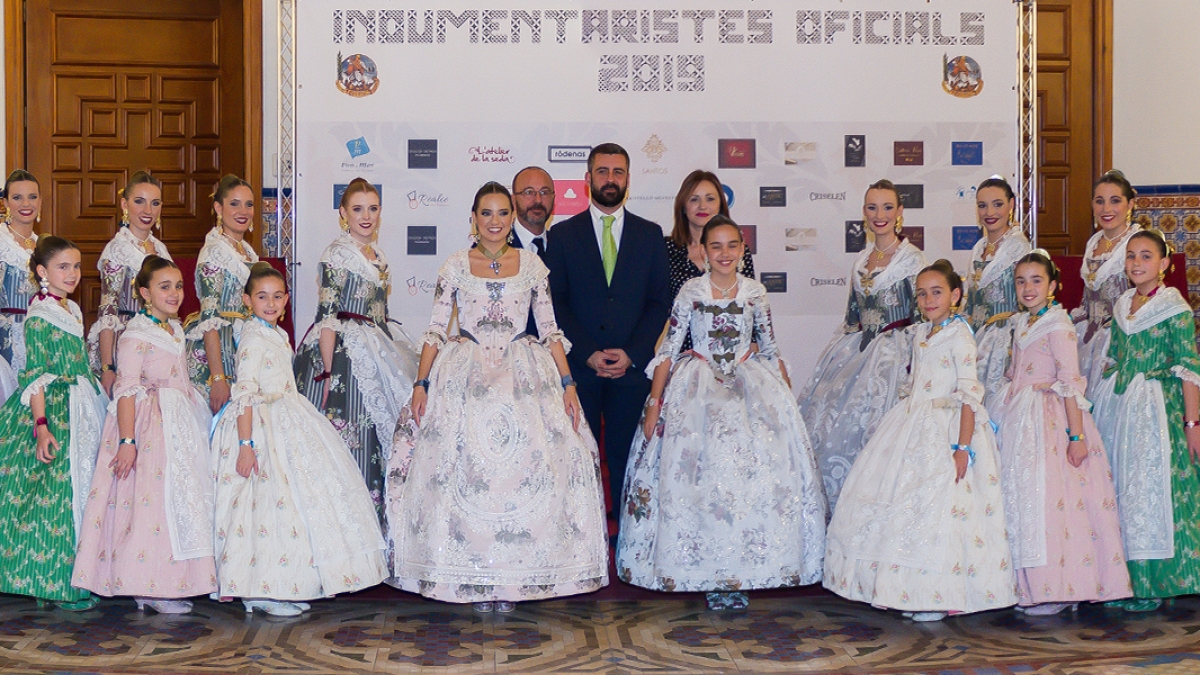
(22,198)
(349,365)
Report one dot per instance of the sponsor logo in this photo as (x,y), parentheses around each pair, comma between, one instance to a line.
(912,196)
(961,76)
(776,282)
(422,240)
(417,286)
(654,148)
(422,153)
(491,154)
(772,196)
(966,153)
(840,281)
(736,153)
(358,147)
(357,75)
(800,239)
(856,150)
(728,194)
(818,196)
(570,197)
(750,238)
(856,236)
(915,235)
(909,153)
(795,152)
(965,237)
(340,188)
(568,153)
(418,199)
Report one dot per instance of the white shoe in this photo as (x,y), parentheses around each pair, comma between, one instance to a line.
(164,606)
(505,607)
(907,615)
(484,607)
(928,616)
(1050,608)
(272,607)
(304,606)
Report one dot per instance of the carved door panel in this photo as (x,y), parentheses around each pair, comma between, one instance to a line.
(113,87)
(1074,84)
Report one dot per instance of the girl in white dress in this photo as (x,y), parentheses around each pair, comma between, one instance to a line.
(722,493)
(991,298)
(920,526)
(293,521)
(495,497)
(862,369)
(1103,273)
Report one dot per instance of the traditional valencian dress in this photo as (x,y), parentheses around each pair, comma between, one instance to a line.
(1062,521)
(861,371)
(41,505)
(16,288)
(991,303)
(496,496)
(905,535)
(119,265)
(1104,281)
(221,274)
(1140,412)
(726,494)
(303,526)
(372,372)
(150,534)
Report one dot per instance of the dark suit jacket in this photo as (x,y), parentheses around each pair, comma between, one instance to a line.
(631,313)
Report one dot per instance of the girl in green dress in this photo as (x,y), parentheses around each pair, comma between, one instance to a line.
(51,433)
(1148,413)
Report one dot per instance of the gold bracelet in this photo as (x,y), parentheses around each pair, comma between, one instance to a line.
(213,379)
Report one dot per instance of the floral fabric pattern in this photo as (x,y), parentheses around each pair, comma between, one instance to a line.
(495,496)
(119,301)
(725,495)
(221,274)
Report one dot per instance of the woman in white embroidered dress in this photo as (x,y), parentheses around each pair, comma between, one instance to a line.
(141,212)
(221,273)
(147,530)
(22,200)
(293,520)
(920,526)
(495,497)
(1103,273)
(862,369)
(722,493)
(991,298)
(349,364)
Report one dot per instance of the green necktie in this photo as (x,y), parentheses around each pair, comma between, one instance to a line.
(608,252)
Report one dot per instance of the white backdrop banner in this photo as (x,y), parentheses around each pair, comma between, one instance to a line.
(797,105)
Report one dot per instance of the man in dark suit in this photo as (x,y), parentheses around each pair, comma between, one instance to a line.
(533,197)
(609,284)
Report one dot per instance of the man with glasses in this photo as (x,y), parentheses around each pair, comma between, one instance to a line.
(533,196)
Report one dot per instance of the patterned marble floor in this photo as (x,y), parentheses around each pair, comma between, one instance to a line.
(670,636)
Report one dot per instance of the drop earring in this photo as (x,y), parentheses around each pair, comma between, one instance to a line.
(900,225)
(124,217)
(45,286)
(510,237)
(219,221)
(158,223)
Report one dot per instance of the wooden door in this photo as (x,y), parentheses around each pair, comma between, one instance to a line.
(114,86)
(1074,81)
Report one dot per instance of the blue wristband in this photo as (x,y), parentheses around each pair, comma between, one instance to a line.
(964,448)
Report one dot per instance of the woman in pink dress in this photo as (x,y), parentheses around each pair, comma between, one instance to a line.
(147,528)
(1059,501)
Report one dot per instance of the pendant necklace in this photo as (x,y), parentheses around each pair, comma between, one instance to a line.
(937,329)
(495,265)
(1144,299)
(158,322)
(27,243)
(724,291)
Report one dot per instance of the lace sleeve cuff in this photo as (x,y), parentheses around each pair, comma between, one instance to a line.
(972,398)
(216,323)
(110,322)
(331,322)
(138,393)
(434,338)
(655,362)
(1072,390)
(1185,375)
(1078,314)
(557,336)
(36,387)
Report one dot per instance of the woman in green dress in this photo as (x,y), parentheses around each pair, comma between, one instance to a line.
(1147,409)
(51,433)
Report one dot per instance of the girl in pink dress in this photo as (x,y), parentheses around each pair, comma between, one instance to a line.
(148,525)
(1059,501)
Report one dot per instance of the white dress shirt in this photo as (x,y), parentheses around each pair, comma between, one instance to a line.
(617,227)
